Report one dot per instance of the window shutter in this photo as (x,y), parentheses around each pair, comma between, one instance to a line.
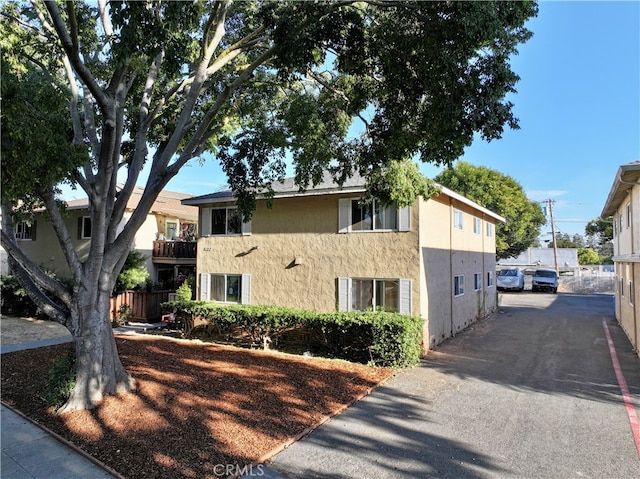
(344,290)
(205,221)
(205,286)
(246,228)
(344,215)
(404,219)
(34,228)
(246,289)
(405,296)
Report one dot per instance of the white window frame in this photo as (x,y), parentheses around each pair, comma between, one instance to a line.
(24,230)
(490,279)
(458,219)
(458,285)
(84,220)
(176,230)
(489,229)
(345,220)
(628,215)
(631,293)
(244,293)
(345,293)
(477,281)
(477,225)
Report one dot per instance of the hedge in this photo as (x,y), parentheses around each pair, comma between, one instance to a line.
(379,338)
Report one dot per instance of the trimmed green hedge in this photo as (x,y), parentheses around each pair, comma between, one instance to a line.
(382,339)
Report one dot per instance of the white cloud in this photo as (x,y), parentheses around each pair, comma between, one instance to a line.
(541,195)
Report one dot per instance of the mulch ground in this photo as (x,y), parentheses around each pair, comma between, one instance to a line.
(197,406)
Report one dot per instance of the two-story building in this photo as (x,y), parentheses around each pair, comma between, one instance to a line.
(623,205)
(166,238)
(323,250)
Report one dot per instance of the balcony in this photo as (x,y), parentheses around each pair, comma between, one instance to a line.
(174,252)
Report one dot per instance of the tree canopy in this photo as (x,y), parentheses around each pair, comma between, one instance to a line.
(503,195)
(112,87)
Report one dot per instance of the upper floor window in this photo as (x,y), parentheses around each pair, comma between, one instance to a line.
(172,230)
(628,215)
(353,216)
(621,223)
(477,225)
(26,230)
(225,221)
(457,219)
(489,229)
(84,227)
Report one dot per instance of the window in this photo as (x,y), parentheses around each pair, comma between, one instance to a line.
(225,221)
(622,287)
(26,230)
(489,279)
(458,285)
(631,293)
(356,217)
(628,215)
(84,227)
(489,229)
(477,281)
(172,230)
(372,294)
(621,223)
(373,217)
(477,225)
(615,228)
(457,219)
(225,288)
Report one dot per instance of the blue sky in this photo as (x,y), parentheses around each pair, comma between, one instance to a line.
(578,102)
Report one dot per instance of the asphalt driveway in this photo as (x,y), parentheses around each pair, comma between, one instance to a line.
(529,392)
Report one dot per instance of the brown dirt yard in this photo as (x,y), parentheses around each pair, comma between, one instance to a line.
(197,407)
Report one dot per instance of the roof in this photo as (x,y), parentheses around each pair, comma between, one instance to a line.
(167,203)
(356,184)
(626,177)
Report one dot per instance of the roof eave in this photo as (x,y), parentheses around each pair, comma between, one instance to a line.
(619,187)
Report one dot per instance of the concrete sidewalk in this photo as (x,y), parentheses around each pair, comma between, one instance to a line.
(29,452)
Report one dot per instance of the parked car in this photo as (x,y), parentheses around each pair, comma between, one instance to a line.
(510,279)
(545,279)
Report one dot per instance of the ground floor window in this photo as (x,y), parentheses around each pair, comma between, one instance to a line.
(489,279)
(477,281)
(225,288)
(374,294)
(458,285)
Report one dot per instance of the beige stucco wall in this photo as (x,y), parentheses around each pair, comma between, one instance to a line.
(305,230)
(447,252)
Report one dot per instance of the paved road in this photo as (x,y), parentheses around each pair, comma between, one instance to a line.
(528,393)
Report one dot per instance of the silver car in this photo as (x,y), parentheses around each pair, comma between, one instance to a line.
(510,279)
(545,279)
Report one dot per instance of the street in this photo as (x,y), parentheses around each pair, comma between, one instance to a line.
(529,392)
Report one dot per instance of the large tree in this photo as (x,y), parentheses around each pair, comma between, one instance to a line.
(503,195)
(251,83)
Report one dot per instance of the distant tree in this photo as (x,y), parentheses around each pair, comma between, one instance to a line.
(157,84)
(503,195)
(133,274)
(563,240)
(588,256)
(599,233)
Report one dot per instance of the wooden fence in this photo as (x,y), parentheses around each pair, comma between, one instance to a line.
(145,307)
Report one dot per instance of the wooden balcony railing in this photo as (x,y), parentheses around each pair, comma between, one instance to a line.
(174,249)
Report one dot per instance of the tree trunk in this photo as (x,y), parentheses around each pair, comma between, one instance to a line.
(99,371)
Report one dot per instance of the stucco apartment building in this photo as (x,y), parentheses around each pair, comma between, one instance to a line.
(162,238)
(322,250)
(623,205)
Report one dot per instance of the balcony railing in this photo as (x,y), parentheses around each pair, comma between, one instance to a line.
(174,249)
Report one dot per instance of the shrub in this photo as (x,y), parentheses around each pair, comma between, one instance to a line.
(134,273)
(14,297)
(381,339)
(184,292)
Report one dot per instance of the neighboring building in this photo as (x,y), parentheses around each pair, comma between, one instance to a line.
(321,250)
(544,257)
(167,237)
(623,205)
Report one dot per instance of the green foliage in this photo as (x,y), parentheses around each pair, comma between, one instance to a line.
(588,256)
(382,339)
(503,195)
(400,183)
(14,298)
(184,292)
(134,273)
(61,379)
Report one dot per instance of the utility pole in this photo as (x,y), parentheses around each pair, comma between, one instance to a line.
(553,234)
